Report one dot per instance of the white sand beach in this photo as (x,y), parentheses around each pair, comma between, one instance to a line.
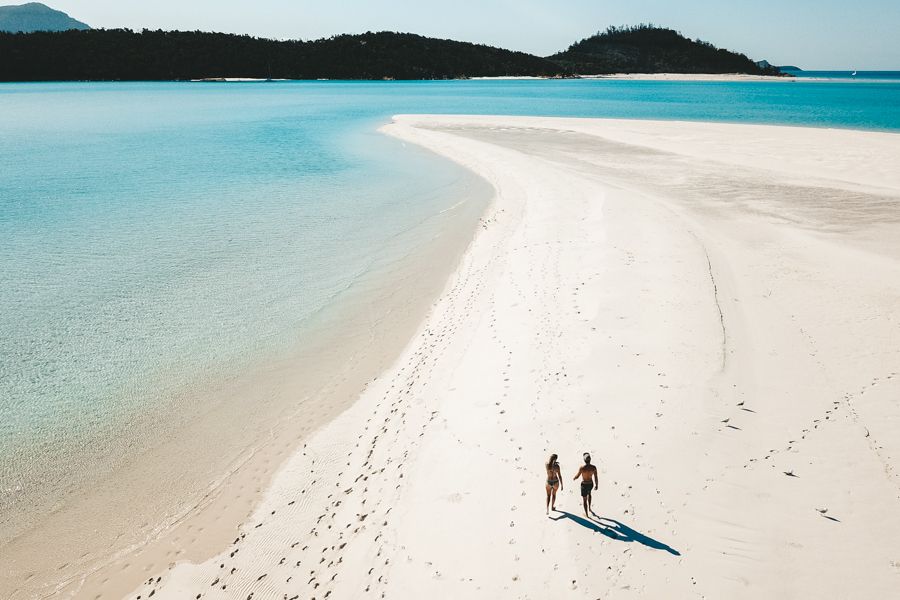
(712,310)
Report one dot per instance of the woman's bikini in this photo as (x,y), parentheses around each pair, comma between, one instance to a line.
(552,477)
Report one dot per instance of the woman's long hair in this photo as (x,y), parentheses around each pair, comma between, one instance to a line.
(552,462)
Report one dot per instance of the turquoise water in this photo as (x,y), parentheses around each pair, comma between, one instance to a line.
(869,76)
(153,237)
(153,233)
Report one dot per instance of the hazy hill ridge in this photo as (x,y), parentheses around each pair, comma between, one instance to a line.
(35,16)
(650,49)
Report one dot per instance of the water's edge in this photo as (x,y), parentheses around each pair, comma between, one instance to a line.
(251,422)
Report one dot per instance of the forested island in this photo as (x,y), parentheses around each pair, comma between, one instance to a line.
(649,49)
(122,54)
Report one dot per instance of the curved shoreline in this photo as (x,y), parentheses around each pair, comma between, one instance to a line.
(96,545)
(587,314)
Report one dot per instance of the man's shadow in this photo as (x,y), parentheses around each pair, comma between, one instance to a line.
(615,530)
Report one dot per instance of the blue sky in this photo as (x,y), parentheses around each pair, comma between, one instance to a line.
(813,34)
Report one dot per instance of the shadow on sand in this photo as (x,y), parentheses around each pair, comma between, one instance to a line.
(615,530)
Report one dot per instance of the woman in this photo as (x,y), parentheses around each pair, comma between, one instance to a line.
(554,481)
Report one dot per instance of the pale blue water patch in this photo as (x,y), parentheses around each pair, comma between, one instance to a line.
(157,231)
(151,234)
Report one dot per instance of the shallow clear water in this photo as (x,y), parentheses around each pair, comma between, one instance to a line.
(154,232)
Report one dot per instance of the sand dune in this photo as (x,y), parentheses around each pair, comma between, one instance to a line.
(712,310)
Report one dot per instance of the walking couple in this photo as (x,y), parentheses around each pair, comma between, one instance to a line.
(589,482)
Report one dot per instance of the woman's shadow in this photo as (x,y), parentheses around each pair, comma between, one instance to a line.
(615,530)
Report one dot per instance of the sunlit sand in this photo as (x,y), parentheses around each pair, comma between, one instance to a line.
(709,309)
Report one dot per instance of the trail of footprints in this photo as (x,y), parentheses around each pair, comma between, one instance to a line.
(305,569)
(829,415)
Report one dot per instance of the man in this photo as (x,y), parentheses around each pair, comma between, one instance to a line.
(588,474)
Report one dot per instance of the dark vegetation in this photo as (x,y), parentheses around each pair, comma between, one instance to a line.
(650,49)
(121,54)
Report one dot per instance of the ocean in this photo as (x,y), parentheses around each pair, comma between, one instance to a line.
(859,76)
(158,239)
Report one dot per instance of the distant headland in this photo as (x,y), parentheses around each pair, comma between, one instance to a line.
(34,16)
(59,48)
(650,49)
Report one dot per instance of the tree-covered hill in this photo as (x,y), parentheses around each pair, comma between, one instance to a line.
(121,54)
(649,49)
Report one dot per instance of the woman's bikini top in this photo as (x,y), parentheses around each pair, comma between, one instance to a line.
(551,471)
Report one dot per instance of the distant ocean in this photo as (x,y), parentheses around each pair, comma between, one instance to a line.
(156,235)
(892,76)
